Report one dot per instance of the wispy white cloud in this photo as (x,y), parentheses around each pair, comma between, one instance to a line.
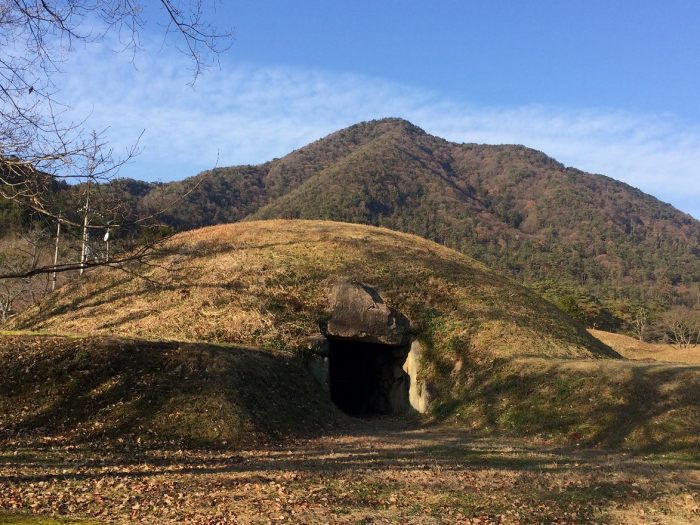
(243,114)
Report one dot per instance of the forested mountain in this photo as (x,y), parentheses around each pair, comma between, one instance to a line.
(509,206)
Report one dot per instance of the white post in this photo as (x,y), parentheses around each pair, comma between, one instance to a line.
(55,254)
(106,239)
(83,253)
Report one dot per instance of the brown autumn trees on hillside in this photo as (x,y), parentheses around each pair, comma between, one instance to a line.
(682,327)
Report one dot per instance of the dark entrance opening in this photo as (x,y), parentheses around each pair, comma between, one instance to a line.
(368,378)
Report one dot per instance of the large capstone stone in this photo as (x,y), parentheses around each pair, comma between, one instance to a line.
(359,313)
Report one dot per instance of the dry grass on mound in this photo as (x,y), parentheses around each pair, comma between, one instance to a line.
(125,390)
(617,404)
(631,348)
(265,284)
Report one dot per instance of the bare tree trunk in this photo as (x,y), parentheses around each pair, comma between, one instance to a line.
(640,323)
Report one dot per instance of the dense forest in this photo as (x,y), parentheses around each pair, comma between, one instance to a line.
(597,247)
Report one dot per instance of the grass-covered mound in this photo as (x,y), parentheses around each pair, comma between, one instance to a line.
(82,389)
(612,403)
(265,284)
(497,357)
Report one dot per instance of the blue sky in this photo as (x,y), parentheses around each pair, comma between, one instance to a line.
(634,55)
(608,87)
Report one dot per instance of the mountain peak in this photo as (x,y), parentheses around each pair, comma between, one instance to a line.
(383,125)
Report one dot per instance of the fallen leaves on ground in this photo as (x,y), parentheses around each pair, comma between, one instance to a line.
(375,472)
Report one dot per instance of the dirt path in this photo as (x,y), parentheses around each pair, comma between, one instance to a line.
(374,472)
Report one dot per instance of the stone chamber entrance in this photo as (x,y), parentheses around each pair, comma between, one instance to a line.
(368,379)
(365,355)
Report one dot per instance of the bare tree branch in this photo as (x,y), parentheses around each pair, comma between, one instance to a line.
(140,254)
(45,154)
